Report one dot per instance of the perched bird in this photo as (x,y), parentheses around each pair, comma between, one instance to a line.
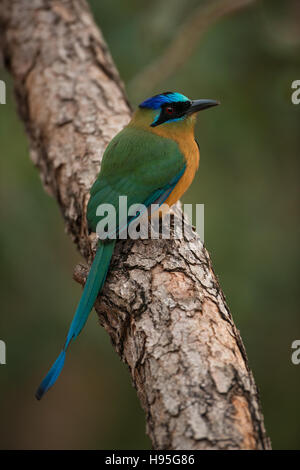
(152,160)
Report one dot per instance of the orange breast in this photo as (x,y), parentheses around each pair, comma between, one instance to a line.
(191,154)
(189,148)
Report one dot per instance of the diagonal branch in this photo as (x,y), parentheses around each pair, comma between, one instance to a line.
(183,45)
(161,305)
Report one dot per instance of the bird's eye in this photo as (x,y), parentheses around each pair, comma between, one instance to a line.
(169,110)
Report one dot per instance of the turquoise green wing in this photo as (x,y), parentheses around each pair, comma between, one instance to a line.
(137,164)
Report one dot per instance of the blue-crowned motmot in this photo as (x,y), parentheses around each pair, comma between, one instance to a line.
(152,160)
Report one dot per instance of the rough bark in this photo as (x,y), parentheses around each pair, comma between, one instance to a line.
(162,304)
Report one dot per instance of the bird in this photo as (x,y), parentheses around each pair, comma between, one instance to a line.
(152,160)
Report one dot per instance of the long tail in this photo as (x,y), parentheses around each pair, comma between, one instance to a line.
(93,285)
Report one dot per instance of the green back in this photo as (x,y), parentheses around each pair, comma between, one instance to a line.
(137,164)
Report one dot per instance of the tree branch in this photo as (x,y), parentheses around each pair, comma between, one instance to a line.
(183,45)
(161,305)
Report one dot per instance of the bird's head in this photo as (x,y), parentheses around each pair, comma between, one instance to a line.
(169,108)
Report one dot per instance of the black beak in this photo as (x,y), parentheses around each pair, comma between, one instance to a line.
(199,105)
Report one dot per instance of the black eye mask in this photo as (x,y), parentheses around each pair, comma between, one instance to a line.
(179,108)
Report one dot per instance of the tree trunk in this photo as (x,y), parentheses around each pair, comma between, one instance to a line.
(162,304)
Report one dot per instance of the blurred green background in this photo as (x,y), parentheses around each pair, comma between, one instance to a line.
(248,181)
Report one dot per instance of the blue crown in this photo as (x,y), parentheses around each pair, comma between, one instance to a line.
(158,100)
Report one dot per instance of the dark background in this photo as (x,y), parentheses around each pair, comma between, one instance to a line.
(248,181)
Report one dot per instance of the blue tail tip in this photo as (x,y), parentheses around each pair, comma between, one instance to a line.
(52,376)
(40,392)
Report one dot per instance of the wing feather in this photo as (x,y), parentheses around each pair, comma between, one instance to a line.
(137,164)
